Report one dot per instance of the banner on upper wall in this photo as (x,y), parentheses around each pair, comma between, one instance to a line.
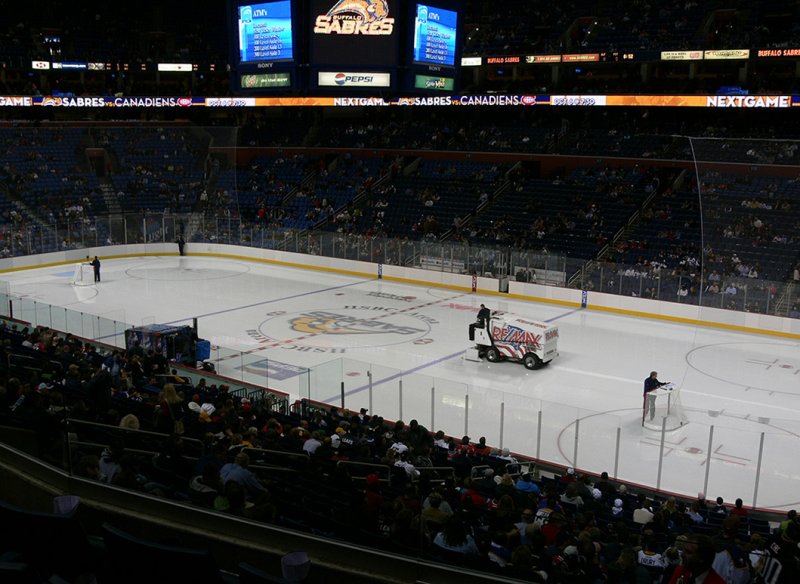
(706,101)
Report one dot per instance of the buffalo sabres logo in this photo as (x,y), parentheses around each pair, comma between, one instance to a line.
(367,17)
(368,10)
(331,323)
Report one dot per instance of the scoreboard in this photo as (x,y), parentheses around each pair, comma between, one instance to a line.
(343,46)
(265,32)
(353,44)
(435,33)
(435,45)
(262,42)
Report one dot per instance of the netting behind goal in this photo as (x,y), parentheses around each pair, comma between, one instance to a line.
(663,409)
(83,275)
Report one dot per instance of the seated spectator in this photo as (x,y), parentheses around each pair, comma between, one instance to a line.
(455,537)
(203,489)
(568,477)
(719,509)
(129,476)
(440,441)
(585,490)
(781,553)
(738,510)
(527,520)
(571,500)
(88,467)
(435,512)
(644,513)
(238,472)
(791,517)
(526,485)
(626,568)
(311,445)
(605,486)
(411,471)
(129,422)
(548,506)
(466,447)
(399,447)
(731,561)
(504,455)
(109,461)
(175,378)
(481,449)
(499,551)
(698,555)
(693,513)
(648,556)
(471,498)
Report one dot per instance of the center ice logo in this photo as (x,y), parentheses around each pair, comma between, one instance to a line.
(342,328)
(333,323)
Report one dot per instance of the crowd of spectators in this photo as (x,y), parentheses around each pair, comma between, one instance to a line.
(352,476)
(50,196)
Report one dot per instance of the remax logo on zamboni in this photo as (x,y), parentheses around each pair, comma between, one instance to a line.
(507,337)
(511,334)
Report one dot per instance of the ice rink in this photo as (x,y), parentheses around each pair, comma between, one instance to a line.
(398,349)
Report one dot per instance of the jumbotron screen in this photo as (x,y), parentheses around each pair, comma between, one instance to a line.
(354,33)
(435,33)
(265,32)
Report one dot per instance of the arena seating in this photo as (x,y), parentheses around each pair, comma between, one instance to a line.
(429,201)
(53,544)
(156,168)
(266,183)
(132,559)
(542,212)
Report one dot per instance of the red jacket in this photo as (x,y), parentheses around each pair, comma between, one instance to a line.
(682,575)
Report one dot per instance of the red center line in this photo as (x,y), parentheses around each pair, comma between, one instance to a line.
(263,345)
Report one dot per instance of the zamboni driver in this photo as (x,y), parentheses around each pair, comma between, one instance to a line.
(484,314)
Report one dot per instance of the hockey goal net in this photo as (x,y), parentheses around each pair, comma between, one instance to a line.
(664,404)
(83,275)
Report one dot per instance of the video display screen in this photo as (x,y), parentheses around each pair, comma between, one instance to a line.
(351,33)
(265,32)
(435,33)
(266,80)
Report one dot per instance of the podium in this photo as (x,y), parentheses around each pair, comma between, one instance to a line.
(666,406)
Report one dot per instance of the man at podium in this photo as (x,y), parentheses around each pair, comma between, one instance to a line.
(651,384)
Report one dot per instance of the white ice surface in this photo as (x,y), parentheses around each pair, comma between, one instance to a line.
(342,327)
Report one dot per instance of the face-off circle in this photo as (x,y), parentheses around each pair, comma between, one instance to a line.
(771,367)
